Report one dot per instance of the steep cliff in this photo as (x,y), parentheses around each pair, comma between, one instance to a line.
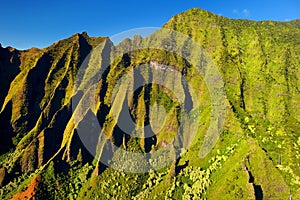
(258,150)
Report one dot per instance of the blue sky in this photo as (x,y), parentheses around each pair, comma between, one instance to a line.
(39,23)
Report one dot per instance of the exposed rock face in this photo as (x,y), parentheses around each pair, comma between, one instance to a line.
(31,191)
(2,176)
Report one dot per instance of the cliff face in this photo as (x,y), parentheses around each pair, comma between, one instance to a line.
(36,97)
(259,63)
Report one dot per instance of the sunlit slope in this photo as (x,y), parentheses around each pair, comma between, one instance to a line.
(256,156)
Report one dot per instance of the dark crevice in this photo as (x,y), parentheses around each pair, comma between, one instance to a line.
(242,91)
(180,167)
(150,137)
(258,192)
(242,97)
(88,133)
(188,102)
(6,133)
(124,126)
(53,136)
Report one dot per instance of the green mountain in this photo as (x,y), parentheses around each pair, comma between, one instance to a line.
(44,112)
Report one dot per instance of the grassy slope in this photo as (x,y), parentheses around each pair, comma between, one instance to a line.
(259,64)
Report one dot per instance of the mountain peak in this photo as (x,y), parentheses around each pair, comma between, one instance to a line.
(84,33)
(78,35)
(199,12)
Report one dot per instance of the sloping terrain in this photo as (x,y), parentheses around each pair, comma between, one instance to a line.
(257,155)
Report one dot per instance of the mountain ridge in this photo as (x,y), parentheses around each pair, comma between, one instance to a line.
(295,22)
(258,62)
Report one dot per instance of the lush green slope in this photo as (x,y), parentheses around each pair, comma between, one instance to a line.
(256,156)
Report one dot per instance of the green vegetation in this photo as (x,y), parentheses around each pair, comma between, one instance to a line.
(257,154)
